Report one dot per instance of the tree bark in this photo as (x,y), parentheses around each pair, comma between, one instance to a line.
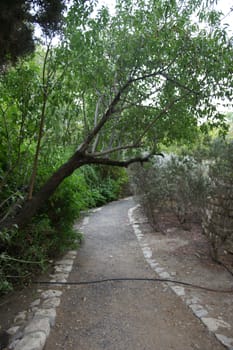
(32,206)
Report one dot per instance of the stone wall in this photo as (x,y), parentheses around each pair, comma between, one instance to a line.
(218,219)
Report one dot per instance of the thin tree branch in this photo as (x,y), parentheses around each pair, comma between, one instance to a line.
(177,83)
(111,109)
(89,159)
(115,149)
(41,125)
(162,112)
(95,144)
(83,147)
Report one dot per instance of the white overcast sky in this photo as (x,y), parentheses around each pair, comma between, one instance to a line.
(226,6)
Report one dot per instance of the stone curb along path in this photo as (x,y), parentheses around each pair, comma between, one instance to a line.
(31,327)
(198,310)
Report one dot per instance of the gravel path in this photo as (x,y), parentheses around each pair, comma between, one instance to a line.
(125,315)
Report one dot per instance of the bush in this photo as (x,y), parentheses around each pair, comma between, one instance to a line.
(26,251)
(176,184)
(218,216)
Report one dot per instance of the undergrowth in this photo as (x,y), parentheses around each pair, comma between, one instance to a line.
(28,251)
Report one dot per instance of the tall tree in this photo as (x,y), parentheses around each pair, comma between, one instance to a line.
(146,75)
(17,20)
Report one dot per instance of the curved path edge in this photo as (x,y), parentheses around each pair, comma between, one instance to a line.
(198,310)
(31,327)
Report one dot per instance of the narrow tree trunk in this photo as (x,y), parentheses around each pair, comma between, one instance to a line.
(35,163)
(32,206)
(41,126)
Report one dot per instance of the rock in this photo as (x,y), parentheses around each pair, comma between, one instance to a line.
(13,330)
(214,323)
(48,313)
(180,291)
(65,262)
(32,341)
(228,342)
(51,294)
(35,303)
(51,303)
(198,310)
(63,268)
(38,325)
(59,277)
(20,317)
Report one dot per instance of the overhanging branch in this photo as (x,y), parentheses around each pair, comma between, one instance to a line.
(124,163)
(111,109)
(179,84)
(116,149)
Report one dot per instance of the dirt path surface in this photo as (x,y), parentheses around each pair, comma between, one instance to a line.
(125,315)
(182,253)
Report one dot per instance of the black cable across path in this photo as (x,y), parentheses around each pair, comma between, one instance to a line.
(122,279)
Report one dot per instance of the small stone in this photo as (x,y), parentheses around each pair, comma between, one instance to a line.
(38,325)
(17,336)
(147,252)
(20,317)
(51,294)
(59,277)
(35,303)
(213,323)
(51,303)
(65,262)
(173,273)
(164,275)
(33,341)
(13,344)
(198,310)
(73,252)
(49,313)
(178,290)
(63,268)
(13,330)
(228,342)
(34,309)
(159,269)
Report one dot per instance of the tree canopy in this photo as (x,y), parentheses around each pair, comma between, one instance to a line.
(150,66)
(115,87)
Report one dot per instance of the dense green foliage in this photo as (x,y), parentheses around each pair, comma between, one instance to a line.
(51,232)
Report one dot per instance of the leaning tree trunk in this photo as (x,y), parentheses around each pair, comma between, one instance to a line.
(32,206)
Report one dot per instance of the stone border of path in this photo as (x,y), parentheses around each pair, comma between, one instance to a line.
(31,327)
(194,304)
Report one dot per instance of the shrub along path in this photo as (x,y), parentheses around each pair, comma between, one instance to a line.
(126,314)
